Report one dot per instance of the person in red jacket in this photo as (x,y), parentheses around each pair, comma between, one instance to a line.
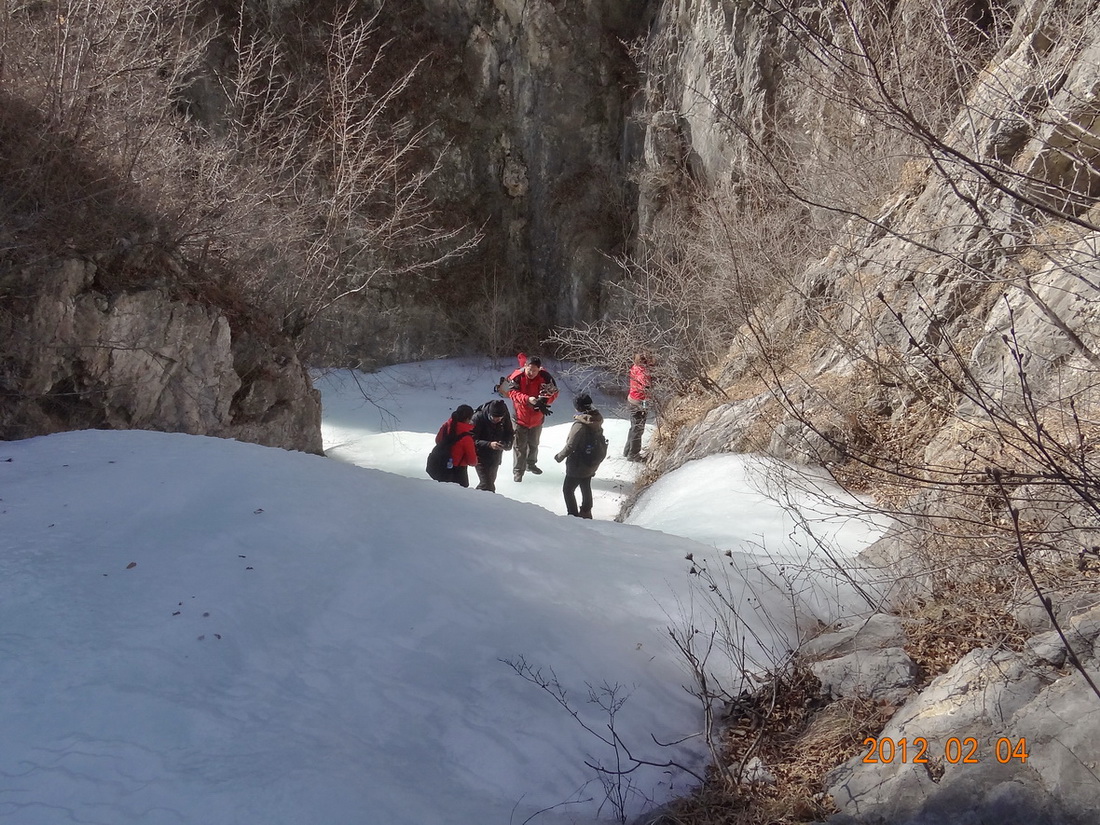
(463,454)
(532,392)
(638,400)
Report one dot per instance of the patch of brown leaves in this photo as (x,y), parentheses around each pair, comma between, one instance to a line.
(940,634)
(798,737)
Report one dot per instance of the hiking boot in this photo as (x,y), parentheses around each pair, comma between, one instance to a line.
(517,475)
(531,468)
(586,512)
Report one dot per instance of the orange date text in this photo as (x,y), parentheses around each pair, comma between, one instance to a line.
(955,751)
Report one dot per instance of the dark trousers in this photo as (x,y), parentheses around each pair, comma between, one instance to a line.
(487,477)
(569,488)
(459,476)
(638,414)
(526,447)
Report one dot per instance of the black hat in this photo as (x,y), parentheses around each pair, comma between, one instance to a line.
(534,359)
(498,407)
(583,402)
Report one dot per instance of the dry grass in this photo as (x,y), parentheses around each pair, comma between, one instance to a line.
(941,633)
(127,154)
(799,739)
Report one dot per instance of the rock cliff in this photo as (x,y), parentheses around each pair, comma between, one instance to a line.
(981,253)
(1003,736)
(79,356)
(538,141)
(938,352)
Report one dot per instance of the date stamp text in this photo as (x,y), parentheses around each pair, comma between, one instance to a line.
(955,751)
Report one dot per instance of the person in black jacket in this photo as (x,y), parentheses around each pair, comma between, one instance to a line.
(493,434)
(579,468)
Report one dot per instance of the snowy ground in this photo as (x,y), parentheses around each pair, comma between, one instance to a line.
(196,631)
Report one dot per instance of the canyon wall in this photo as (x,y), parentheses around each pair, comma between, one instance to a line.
(78,356)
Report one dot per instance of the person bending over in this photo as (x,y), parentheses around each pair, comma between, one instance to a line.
(493,434)
(463,455)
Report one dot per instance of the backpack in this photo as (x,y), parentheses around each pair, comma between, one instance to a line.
(438,466)
(594,449)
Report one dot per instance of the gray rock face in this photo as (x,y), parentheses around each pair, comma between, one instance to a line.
(887,675)
(526,112)
(534,134)
(888,292)
(79,358)
(1001,737)
(864,659)
(948,270)
(877,632)
(725,62)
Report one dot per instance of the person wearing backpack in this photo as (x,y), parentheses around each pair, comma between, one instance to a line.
(493,434)
(585,447)
(454,451)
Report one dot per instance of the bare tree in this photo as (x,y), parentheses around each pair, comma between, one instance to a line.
(273,170)
(902,278)
(955,368)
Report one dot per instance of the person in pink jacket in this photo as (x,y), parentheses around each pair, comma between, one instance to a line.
(463,454)
(533,390)
(638,400)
